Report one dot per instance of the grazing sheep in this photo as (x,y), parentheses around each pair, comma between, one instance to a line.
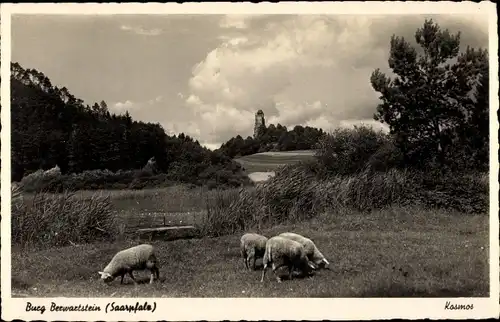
(253,246)
(312,251)
(280,252)
(139,257)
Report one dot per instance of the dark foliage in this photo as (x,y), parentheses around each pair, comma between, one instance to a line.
(51,127)
(437,106)
(273,138)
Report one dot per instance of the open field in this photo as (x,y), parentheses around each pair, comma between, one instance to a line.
(270,161)
(395,252)
(261,176)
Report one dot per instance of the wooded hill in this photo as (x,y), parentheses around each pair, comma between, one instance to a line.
(52,127)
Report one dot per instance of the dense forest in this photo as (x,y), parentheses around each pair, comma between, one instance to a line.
(51,127)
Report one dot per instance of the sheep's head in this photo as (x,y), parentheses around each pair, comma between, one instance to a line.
(106,277)
(323,263)
(310,268)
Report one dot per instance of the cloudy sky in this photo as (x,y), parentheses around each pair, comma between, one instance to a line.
(207,75)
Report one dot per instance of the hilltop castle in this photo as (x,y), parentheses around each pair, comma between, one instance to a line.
(259,121)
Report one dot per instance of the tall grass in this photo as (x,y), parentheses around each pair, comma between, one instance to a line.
(45,220)
(366,191)
(298,192)
(219,220)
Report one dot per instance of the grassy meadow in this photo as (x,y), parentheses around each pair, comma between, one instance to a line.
(396,251)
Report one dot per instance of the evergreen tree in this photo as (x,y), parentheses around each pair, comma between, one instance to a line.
(429,100)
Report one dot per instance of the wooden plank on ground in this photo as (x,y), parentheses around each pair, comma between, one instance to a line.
(160,229)
(167,233)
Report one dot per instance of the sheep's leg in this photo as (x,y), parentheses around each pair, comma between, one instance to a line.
(123,275)
(132,276)
(247,261)
(244,255)
(290,270)
(250,258)
(254,260)
(263,272)
(157,270)
(275,268)
(153,274)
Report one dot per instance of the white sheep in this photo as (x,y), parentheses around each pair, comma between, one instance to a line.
(139,257)
(252,246)
(280,252)
(312,251)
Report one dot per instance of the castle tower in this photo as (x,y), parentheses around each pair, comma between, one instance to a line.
(259,121)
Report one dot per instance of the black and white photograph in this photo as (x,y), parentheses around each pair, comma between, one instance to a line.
(195,153)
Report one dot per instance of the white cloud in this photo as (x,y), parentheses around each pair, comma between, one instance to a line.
(193,99)
(123,106)
(211,146)
(307,70)
(129,105)
(141,31)
(155,100)
(368,123)
(300,60)
(321,122)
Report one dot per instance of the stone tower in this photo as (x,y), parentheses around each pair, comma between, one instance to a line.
(259,121)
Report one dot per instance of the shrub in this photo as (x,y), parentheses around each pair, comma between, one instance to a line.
(348,151)
(131,179)
(39,179)
(45,220)
(465,193)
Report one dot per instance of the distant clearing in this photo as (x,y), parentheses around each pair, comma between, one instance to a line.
(270,161)
(261,176)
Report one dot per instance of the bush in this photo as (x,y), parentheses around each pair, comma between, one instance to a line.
(45,220)
(465,193)
(349,151)
(39,179)
(128,179)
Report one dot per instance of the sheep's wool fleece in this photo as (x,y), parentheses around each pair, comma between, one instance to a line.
(131,258)
(278,248)
(251,240)
(311,250)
